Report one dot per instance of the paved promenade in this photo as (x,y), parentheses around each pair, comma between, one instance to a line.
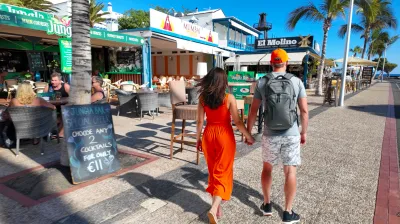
(350,156)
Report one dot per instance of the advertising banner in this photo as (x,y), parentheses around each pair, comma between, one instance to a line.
(169,24)
(66,55)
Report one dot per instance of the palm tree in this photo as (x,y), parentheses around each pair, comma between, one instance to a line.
(95,15)
(381,43)
(12,2)
(376,15)
(356,50)
(41,5)
(328,11)
(81,60)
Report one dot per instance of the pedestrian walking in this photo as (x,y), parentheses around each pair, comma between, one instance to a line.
(280,93)
(218,141)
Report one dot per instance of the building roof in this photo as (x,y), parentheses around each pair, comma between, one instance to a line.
(203,12)
(226,19)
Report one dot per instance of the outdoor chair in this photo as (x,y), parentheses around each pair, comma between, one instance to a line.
(126,100)
(33,122)
(9,84)
(164,99)
(148,102)
(180,110)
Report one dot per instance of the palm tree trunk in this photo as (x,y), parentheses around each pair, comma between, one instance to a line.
(81,60)
(322,63)
(376,68)
(366,37)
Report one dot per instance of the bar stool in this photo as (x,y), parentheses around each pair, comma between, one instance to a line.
(181,110)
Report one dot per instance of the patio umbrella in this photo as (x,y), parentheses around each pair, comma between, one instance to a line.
(357,61)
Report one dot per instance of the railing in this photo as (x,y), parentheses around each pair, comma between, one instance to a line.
(267,26)
(240,46)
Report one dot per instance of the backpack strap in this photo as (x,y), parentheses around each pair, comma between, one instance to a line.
(288,76)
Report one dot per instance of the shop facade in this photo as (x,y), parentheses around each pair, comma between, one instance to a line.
(302,50)
(177,47)
(41,42)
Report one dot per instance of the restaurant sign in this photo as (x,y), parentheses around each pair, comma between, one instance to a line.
(25,12)
(285,42)
(59,26)
(177,27)
(11,19)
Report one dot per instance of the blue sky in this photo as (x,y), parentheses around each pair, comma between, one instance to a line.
(277,14)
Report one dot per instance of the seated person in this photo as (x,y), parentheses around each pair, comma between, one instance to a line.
(98,93)
(57,85)
(26,97)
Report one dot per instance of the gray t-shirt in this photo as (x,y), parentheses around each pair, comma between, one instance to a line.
(300,93)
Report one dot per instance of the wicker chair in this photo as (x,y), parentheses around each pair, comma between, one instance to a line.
(33,122)
(126,100)
(164,99)
(148,101)
(181,111)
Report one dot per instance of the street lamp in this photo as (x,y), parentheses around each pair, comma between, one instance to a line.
(384,60)
(346,54)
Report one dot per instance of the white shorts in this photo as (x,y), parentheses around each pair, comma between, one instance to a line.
(281,148)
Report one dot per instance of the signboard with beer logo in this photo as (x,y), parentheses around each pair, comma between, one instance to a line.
(285,42)
(239,76)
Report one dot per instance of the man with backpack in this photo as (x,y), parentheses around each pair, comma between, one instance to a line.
(280,93)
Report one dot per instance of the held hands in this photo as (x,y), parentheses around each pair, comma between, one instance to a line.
(198,146)
(249,141)
(303,138)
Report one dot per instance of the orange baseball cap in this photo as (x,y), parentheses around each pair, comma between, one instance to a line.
(279,56)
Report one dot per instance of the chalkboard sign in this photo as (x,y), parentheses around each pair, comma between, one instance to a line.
(89,135)
(367,73)
(126,57)
(36,61)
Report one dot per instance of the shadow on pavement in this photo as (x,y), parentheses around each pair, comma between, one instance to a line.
(379,110)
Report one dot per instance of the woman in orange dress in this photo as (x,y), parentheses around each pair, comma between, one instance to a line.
(218,142)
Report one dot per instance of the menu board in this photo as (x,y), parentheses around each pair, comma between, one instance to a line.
(66,54)
(126,57)
(89,135)
(367,73)
(36,61)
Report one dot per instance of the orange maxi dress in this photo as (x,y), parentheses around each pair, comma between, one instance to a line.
(219,148)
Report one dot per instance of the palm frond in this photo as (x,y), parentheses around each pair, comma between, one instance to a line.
(95,12)
(309,12)
(355,28)
(393,40)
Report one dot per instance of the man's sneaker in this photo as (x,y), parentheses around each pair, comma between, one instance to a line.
(290,218)
(266,209)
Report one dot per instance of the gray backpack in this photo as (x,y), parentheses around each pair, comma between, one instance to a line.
(280,102)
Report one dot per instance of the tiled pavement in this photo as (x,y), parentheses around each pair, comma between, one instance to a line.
(337,183)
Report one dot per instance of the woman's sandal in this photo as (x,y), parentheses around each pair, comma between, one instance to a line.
(212,218)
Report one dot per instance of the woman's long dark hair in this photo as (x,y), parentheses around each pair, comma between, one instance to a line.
(213,87)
